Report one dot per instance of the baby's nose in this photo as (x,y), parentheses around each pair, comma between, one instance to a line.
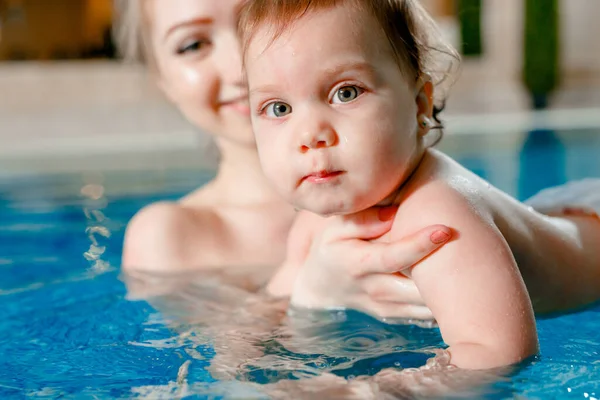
(319,138)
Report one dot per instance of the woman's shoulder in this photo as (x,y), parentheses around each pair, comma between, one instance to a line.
(167,236)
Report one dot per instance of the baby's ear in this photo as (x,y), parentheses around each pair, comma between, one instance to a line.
(425,96)
(425,112)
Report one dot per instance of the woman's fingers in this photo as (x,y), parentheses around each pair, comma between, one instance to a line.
(392,288)
(396,310)
(392,296)
(398,255)
(368,224)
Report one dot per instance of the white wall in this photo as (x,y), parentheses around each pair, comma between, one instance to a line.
(581,38)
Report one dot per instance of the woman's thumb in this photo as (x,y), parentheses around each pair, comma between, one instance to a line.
(367,224)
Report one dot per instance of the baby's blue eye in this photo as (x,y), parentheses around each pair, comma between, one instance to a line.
(346,94)
(278,109)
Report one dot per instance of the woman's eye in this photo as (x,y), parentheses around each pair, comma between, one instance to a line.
(278,109)
(191,46)
(346,94)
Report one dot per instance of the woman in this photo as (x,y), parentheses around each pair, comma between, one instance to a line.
(192,50)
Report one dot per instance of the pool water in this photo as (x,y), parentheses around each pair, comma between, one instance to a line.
(68,331)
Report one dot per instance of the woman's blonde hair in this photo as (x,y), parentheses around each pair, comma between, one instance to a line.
(131,32)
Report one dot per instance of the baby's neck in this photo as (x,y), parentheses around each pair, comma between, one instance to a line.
(394,197)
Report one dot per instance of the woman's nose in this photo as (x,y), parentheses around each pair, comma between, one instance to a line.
(229,61)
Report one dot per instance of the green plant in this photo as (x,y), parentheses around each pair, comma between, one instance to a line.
(541,49)
(469,14)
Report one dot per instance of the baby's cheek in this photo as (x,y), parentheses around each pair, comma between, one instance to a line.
(273,172)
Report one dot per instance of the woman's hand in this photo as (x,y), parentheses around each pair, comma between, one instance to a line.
(324,386)
(346,269)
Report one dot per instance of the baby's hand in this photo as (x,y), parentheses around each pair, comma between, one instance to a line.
(344,269)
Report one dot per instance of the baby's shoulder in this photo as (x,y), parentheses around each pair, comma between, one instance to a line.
(160,235)
(441,183)
(439,201)
(449,197)
(434,196)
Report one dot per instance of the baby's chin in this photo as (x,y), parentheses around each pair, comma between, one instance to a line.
(328,209)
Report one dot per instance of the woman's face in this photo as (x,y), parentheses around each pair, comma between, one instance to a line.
(197,55)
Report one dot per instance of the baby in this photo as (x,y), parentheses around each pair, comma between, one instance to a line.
(343,108)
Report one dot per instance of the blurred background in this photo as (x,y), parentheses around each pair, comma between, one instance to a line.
(68,103)
(87,140)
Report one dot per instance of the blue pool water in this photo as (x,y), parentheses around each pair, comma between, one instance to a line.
(67,330)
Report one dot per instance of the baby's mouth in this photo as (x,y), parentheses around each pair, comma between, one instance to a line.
(322,176)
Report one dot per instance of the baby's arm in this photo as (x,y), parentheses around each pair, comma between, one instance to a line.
(472,285)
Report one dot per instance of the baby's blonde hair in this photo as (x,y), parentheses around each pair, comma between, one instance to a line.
(131,31)
(417,43)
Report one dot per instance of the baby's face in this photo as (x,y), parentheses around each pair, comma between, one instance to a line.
(335,119)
